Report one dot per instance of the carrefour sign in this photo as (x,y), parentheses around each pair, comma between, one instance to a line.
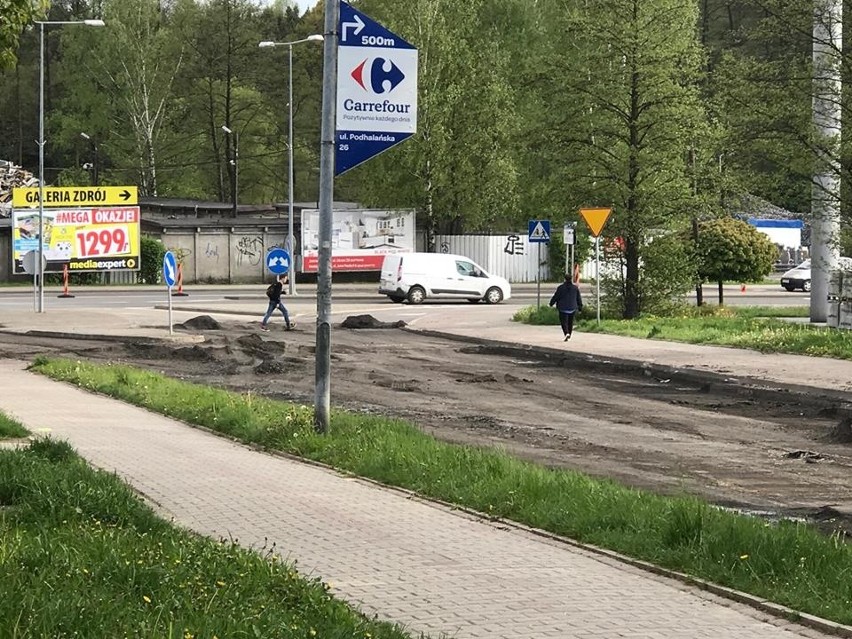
(376,89)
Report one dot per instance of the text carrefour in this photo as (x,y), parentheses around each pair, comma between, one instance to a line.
(386,106)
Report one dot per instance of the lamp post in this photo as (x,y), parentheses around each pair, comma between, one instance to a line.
(42,24)
(94,144)
(234,162)
(291,240)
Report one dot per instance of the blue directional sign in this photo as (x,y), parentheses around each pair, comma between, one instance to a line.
(376,89)
(169,269)
(278,260)
(539,231)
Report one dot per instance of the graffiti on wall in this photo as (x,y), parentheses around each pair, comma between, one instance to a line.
(180,253)
(514,245)
(250,250)
(212,251)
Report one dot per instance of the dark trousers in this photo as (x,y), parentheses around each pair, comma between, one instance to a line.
(566,318)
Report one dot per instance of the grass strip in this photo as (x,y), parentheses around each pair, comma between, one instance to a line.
(753,328)
(82,556)
(789,563)
(10,428)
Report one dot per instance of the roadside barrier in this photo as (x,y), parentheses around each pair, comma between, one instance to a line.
(179,292)
(65,278)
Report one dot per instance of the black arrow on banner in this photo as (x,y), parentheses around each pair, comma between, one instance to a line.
(124,195)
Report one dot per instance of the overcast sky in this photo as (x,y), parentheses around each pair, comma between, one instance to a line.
(304,5)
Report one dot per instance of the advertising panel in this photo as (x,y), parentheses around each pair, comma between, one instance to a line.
(86,239)
(360,238)
(376,89)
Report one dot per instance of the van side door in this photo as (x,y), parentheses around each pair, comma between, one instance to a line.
(469,281)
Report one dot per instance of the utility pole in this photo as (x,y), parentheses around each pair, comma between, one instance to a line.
(235,158)
(322,402)
(825,192)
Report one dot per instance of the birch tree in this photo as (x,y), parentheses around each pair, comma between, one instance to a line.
(125,83)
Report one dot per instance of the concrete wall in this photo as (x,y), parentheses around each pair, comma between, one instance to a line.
(223,254)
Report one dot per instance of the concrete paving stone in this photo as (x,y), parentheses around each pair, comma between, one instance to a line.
(431,568)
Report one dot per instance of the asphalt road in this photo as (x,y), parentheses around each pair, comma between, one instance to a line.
(523,295)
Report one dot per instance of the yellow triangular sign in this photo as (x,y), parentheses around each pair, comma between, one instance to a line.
(595,219)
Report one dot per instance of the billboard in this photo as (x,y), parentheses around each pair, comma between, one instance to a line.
(101,238)
(360,238)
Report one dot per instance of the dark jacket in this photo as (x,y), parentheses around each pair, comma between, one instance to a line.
(277,290)
(567,298)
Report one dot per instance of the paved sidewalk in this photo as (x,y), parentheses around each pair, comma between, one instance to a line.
(433,569)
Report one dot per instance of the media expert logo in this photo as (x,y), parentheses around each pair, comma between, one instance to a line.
(382,76)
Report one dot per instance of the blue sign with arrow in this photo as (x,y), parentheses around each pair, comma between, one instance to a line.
(376,89)
(169,269)
(278,260)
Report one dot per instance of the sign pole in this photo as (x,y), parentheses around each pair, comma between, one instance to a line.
(169,294)
(596,219)
(322,375)
(538,278)
(572,264)
(169,276)
(598,274)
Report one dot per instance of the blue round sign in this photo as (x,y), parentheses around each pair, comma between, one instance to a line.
(278,260)
(169,269)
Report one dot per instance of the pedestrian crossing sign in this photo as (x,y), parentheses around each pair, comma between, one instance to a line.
(539,230)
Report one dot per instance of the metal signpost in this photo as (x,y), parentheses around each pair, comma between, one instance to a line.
(371,107)
(170,277)
(376,89)
(539,233)
(595,219)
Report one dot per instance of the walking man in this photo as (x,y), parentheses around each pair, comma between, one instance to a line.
(568,301)
(274,293)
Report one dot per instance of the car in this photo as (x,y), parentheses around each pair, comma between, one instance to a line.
(799,277)
(418,276)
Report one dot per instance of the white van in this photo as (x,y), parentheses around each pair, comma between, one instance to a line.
(418,276)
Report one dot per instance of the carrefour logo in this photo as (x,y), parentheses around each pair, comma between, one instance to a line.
(382,75)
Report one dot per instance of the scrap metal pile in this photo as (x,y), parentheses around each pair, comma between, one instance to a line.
(12,176)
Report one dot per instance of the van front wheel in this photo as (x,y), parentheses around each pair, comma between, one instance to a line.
(494,295)
(416,295)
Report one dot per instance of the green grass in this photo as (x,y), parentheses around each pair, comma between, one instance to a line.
(11,429)
(755,328)
(82,556)
(789,563)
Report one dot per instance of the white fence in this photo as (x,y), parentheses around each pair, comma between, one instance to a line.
(511,256)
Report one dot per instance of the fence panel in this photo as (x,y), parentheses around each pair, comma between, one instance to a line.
(510,256)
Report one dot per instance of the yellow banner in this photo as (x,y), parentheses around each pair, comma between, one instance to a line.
(104,238)
(68,196)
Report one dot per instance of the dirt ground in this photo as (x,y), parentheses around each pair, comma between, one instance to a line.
(774,455)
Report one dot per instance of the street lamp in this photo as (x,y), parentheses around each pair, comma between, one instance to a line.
(42,24)
(291,240)
(234,160)
(94,144)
